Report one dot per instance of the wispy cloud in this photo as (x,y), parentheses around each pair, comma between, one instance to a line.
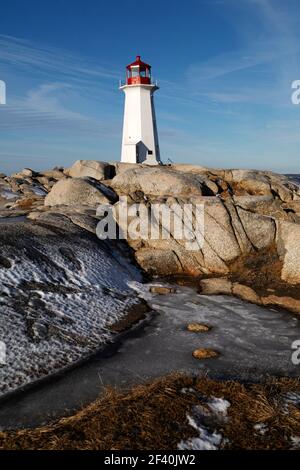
(42,108)
(64,81)
(49,61)
(252,63)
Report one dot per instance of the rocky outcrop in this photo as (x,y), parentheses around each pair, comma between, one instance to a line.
(62,290)
(246,212)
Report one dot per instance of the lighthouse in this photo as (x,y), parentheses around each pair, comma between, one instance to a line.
(140,138)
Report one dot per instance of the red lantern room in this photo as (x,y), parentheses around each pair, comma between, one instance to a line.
(138,72)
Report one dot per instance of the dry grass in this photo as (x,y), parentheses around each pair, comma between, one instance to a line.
(153,417)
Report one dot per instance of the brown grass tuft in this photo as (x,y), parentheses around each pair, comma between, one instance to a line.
(153,417)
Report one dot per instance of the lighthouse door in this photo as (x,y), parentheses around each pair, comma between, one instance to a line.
(141,152)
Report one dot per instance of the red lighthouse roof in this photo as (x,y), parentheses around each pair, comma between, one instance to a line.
(139,63)
(138,72)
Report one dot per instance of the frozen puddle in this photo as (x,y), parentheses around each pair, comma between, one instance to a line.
(253,342)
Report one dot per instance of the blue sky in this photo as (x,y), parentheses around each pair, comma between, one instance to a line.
(224,67)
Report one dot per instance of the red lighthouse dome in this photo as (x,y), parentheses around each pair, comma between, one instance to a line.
(138,72)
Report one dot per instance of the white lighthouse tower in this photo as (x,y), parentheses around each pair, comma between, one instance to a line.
(140,139)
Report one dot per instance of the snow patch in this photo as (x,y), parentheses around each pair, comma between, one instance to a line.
(262,428)
(218,405)
(206,441)
(295,442)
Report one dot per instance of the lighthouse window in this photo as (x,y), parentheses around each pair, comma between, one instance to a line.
(143,73)
(135,71)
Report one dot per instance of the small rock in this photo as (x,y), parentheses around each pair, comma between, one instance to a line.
(162,290)
(289,303)
(53,174)
(216,286)
(245,293)
(203,353)
(197,327)
(27,172)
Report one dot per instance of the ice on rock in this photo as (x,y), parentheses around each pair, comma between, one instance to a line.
(58,298)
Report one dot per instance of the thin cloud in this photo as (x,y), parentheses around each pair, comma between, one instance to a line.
(50,61)
(42,108)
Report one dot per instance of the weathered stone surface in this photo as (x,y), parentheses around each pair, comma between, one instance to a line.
(25,172)
(158,181)
(242,210)
(260,230)
(197,328)
(289,303)
(94,169)
(78,191)
(204,353)
(54,174)
(164,262)
(245,293)
(288,243)
(215,286)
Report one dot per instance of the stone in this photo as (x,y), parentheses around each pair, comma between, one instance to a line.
(288,246)
(204,353)
(260,230)
(197,328)
(53,174)
(162,290)
(95,169)
(164,262)
(157,181)
(216,286)
(245,293)
(26,172)
(78,191)
(286,302)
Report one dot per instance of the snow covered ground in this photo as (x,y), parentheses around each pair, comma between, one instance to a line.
(60,289)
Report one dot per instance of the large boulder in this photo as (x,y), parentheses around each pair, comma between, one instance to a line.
(79,191)
(94,169)
(227,233)
(161,181)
